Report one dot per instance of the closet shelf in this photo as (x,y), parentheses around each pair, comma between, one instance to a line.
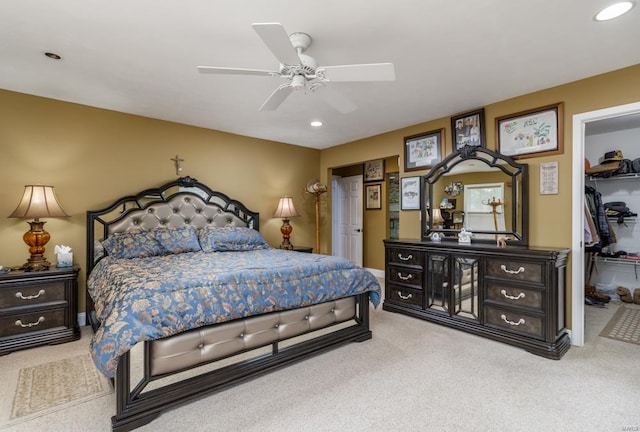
(622,261)
(630,219)
(616,177)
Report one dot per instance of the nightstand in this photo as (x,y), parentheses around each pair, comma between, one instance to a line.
(307,249)
(38,308)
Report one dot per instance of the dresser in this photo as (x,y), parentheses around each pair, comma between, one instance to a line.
(38,308)
(512,294)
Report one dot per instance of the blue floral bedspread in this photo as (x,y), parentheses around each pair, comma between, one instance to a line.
(150,298)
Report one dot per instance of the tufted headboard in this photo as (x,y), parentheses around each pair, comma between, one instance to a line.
(174,204)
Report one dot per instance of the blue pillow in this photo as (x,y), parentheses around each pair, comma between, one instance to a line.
(138,244)
(222,239)
(178,240)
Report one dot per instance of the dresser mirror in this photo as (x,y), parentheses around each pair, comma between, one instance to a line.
(493,201)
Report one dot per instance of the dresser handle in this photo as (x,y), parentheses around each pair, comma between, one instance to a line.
(31,297)
(33,324)
(520,321)
(504,293)
(504,269)
(405,258)
(407,297)
(405,278)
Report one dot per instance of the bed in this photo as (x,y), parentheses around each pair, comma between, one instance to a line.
(186,299)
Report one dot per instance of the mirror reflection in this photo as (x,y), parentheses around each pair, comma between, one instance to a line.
(477,190)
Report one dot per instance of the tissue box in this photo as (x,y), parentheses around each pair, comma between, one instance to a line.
(64,259)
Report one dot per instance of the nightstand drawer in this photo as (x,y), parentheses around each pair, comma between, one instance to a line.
(514,321)
(405,256)
(514,295)
(514,270)
(16,324)
(406,276)
(405,295)
(30,294)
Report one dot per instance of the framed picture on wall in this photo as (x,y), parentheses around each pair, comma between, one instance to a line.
(410,193)
(373,197)
(532,133)
(468,129)
(374,170)
(423,151)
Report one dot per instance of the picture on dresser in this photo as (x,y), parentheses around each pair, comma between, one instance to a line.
(468,129)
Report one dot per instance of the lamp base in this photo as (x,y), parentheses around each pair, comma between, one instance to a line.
(286,230)
(36,238)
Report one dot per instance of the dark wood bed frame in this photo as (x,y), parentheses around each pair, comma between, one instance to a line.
(176,203)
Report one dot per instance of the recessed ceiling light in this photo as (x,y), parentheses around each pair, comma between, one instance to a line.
(316,123)
(52,55)
(614,11)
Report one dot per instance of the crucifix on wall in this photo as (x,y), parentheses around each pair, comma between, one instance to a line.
(178,163)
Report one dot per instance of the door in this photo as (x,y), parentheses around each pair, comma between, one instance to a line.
(347,218)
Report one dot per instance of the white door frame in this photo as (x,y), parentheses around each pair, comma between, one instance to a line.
(577,203)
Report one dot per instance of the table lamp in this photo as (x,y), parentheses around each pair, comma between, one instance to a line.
(285,211)
(37,202)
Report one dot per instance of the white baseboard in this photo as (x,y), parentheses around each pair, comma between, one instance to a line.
(82,319)
(377,273)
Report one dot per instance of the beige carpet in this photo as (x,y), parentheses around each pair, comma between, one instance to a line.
(49,387)
(624,325)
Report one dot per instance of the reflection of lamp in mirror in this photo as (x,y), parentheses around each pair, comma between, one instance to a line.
(437,218)
(285,211)
(37,201)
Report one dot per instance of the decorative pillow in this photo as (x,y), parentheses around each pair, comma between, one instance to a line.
(178,240)
(138,244)
(221,239)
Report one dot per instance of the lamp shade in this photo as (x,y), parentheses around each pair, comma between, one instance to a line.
(38,201)
(286,208)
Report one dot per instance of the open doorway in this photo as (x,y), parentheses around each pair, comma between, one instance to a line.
(580,122)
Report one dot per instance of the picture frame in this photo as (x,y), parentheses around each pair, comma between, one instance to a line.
(410,193)
(373,197)
(532,133)
(468,129)
(423,151)
(373,170)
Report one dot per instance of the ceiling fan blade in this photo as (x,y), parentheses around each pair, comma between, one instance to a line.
(336,99)
(277,40)
(358,72)
(277,97)
(235,71)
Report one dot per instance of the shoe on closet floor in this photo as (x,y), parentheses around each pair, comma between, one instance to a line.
(636,296)
(625,294)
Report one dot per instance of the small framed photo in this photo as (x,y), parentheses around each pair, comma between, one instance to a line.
(374,170)
(373,197)
(468,129)
(410,193)
(423,151)
(533,133)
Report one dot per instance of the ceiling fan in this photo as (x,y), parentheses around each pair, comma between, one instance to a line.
(302,71)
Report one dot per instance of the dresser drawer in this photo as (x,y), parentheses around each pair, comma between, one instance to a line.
(405,295)
(30,294)
(405,275)
(32,321)
(514,270)
(514,321)
(514,295)
(406,256)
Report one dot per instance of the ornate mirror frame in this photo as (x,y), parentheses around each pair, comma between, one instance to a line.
(476,160)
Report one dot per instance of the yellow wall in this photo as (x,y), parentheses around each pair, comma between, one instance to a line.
(93,156)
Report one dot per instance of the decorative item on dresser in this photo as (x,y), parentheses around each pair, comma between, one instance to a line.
(508,291)
(37,201)
(512,294)
(38,308)
(285,211)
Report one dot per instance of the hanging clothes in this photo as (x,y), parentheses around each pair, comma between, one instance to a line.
(595,206)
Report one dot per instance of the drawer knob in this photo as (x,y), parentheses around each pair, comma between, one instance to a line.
(31,297)
(405,297)
(405,278)
(405,258)
(33,324)
(506,270)
(520,321)
(510,297)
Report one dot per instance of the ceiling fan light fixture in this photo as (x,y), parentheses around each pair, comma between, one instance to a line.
(614,11)
(297,82)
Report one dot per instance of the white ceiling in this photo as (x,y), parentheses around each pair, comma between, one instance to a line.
(140,57)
